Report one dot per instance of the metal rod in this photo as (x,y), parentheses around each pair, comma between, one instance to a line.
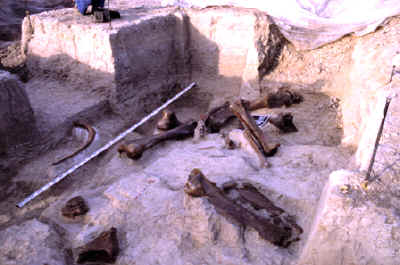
(102,149)
(378,137)
(108,9)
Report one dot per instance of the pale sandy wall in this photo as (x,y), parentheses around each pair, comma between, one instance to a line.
(148,54)
(226,51)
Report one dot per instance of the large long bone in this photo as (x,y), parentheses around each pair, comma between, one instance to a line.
(249,124)
(135,149)
(275,229)
(220,116)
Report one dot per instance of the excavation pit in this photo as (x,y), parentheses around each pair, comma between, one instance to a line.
(113,75)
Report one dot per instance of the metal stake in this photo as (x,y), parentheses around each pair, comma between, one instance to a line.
(368,178)
(104,148)
(108,9)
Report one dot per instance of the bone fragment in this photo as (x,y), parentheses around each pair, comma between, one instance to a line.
(200,131)
(104,248)
(75,207)
(218,117)
(168,121)
(229,143)
(284,122)
(135,149)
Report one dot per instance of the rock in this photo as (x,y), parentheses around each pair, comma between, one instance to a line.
(102,249)
(75,207)
(31,243)
(17,121)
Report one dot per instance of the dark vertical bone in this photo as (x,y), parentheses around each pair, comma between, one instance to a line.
(248,122)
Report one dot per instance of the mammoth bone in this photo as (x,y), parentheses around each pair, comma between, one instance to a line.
(278,228)
(280,98)
(284,122)
(253,133)
(220,116)
(168,121)
(135,149)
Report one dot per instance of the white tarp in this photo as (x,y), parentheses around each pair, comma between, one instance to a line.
(309,24)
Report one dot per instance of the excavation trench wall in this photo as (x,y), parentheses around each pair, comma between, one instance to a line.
(139,61)
(147,56)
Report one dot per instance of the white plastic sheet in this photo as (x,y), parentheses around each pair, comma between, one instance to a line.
(309,24)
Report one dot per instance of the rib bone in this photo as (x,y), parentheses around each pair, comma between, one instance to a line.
(92,134)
